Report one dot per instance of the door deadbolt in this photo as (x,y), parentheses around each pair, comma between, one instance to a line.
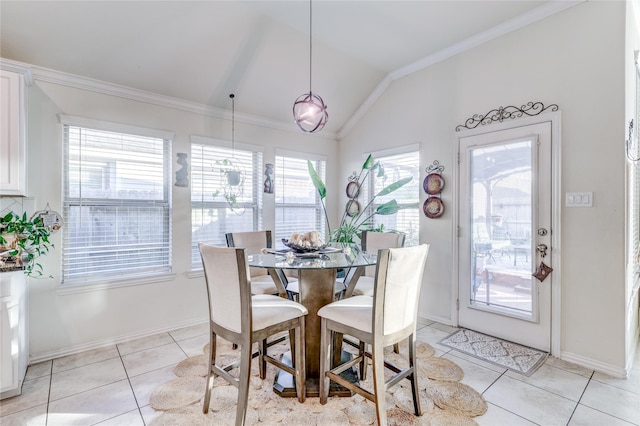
(542,232)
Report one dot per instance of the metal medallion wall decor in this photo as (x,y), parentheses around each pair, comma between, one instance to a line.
(433,185)
(352,190)
(504,113)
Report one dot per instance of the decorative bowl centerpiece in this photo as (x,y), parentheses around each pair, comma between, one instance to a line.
(305,243)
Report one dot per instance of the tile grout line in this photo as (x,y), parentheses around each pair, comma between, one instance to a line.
(130,385)
(580,398)
(46,417)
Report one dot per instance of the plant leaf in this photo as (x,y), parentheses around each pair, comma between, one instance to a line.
(368,163)
(317,182)
(390,207)
(394,186)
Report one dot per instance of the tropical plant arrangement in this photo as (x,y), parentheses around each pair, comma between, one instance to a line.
(351,226)
(22,241)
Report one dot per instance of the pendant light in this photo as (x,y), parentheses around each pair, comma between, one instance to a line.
(309,110)
(232,170)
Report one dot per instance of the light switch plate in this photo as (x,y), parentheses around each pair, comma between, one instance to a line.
(578,199)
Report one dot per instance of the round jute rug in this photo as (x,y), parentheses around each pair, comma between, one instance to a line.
(440,369)
(443,399)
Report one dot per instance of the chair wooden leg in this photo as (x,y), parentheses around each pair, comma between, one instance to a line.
(363,363)
(243,385)
(210,375)
(396,348)
(414,376)
(379,388)
(298,358)
(325,360)
(262,366)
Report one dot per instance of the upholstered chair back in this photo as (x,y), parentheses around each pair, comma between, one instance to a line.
(374,241)
(226,274)
(402,280)
(252,242)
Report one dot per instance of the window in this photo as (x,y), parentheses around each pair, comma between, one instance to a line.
(298,206)
(116,202)
(398,164)
(219,204)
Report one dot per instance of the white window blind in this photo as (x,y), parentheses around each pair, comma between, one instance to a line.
(297,203)
(398,166)
(211,215)
(117,206)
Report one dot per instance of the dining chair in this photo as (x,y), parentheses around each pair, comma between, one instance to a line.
(261,282)
(371,242)
(388,317)
(244,319)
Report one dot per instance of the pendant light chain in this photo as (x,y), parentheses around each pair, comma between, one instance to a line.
(233,125)
(310,41)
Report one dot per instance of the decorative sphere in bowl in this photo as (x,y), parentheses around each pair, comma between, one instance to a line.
(300,248)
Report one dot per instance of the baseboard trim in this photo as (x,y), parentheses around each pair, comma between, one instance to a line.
(431,318)
(592,364)
(97,344)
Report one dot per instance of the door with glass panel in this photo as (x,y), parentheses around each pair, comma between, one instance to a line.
(505,234)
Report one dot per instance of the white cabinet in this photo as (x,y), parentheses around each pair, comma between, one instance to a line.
(14,341)
(12,134)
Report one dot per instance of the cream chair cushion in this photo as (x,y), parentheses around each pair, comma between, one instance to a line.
(356,312)
(269,310)
(403,284)
(364,286)
(224,299)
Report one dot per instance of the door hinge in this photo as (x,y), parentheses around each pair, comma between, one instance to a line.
(458,231)
(458,158)
(457,304)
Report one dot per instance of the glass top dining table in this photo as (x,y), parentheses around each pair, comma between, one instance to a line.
(316,274)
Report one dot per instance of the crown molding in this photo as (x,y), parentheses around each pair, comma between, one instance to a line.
(97,86)
(506,27)
(18,67)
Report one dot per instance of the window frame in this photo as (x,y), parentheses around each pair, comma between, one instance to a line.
(118,278)
(413,205)
(320,220)
(257,194)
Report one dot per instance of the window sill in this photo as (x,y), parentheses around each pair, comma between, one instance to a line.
(114,283)
(195,273)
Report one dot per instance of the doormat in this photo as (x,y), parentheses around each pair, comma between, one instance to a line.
(518,358)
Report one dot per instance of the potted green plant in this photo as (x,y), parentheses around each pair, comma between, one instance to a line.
(352,225)
(22,241)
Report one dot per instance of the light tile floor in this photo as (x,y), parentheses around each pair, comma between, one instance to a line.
(111,386)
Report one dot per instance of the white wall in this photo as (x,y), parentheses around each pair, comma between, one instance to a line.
(63,323)
(573,59)
(632,44)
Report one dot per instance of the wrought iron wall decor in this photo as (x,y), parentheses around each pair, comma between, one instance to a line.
(433,185)
(631,144)
(504,113)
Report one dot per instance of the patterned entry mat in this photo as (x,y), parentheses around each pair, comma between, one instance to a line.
(509,355)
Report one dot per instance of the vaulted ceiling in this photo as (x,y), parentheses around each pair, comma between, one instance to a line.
(201,51)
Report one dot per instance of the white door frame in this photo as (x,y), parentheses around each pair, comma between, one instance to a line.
(556,210)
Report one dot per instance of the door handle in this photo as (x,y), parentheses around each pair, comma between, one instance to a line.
(542,249)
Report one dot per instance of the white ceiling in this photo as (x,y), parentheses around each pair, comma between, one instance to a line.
(201,51)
